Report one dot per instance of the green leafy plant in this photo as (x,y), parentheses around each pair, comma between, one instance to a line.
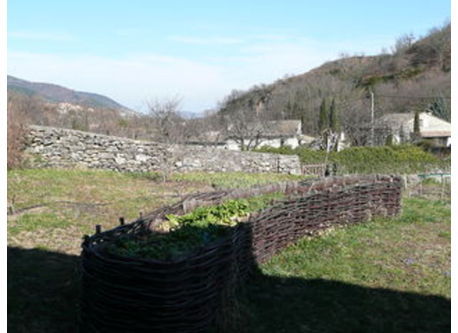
(190,231)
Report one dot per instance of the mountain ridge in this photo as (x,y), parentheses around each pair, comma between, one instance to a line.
(59,94)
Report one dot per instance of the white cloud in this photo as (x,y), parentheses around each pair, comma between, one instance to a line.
(135,78)
(130,81)
(37,35)
(206,40)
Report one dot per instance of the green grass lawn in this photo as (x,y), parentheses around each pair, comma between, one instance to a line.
(388,275)
(234,179)
(54,208)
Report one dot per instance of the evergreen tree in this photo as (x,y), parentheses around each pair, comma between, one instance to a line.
(333,117)
(416,127)
(440,109)
(323,120)
(302,124)
(416,124)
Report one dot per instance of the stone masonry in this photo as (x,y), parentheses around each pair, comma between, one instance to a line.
(64,148)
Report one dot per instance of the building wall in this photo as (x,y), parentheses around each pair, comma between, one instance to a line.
(276,143)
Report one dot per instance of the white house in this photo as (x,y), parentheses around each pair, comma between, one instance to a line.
(276,134)
(401,126)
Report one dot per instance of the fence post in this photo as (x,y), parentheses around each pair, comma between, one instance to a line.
(442,186)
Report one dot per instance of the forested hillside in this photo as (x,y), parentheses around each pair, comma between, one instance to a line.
(415,75)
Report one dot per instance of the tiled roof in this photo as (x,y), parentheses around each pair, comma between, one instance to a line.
(394,119)
(435,134)
(280,128)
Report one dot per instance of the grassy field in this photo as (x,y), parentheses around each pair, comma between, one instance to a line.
(389,275)
(52,209)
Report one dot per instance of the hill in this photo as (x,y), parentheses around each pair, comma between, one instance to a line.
(52,105)
(415,75)
(57,94)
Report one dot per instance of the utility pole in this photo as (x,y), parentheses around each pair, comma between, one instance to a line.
(372,118)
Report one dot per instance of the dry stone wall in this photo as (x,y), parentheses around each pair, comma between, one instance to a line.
(189,158)
(64,148)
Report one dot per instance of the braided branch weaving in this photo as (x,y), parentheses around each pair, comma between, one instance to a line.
(121,294)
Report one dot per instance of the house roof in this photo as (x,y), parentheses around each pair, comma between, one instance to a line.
(394,119)
(267,129)
(435,134)
(306,138)
(214,137)
(280,128)
(430,126)
(273,128)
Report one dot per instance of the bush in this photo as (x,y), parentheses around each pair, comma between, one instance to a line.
(188,232)
(381,159)
(15,138)
(389,140)
(385,159)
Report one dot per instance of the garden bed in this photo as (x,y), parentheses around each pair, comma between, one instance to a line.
(184,292)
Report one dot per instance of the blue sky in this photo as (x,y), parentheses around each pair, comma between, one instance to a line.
(135,51)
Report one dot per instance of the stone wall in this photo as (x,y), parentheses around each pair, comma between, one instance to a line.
(214,159)
(64,148)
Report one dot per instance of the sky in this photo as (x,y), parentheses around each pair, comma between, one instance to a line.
(199,51)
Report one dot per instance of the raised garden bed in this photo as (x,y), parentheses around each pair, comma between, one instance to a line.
(168,273)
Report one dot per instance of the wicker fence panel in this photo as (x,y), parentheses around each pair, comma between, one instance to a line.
(122,294)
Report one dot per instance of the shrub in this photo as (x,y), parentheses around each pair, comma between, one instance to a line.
(389,140)
(381,159)
(15,137)
(190,231)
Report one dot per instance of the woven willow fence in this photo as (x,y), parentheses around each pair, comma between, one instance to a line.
(121,294)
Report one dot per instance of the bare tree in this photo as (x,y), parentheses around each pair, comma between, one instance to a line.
(166,122)
(242,128)
(403,43)
(206,130)
(169,128)
(16,121)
